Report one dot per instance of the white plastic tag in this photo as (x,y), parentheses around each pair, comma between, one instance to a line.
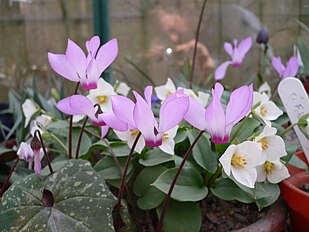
(296,103)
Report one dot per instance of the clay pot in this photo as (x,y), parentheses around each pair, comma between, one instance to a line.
(296,199)
(274,220)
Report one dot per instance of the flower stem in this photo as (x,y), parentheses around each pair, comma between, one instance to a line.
(45,152)
(168,197)
(6,183)
(71,127)
(123,179)
(80,137)
(59,141)
(286,130)
(239,128)
(196,42)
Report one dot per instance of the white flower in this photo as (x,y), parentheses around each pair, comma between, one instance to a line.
(241,160)
(168,143)
(130,136)
(265,88)
(29,109)
(102,95)
(200,96)
(163,91)
(122,88)
(273,146)
(273,171)
(267,110)
(40,123)
(25,152)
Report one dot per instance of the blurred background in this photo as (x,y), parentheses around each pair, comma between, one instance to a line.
(156,37)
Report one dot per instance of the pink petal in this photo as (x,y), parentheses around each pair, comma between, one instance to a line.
(243,48)
(277,65)
(92,45)
(37,162)
(215,116)
(61,65)
(196,114)
(221,70)
(112,121)
(93,75)
(239,105)
(144,119)
(77,58)
(107,54)
(229,49)
(147,94)
(172,112)
(104,130)
(77,105)
(291,67)
(123,108)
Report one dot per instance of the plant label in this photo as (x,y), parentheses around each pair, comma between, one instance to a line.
(296,103)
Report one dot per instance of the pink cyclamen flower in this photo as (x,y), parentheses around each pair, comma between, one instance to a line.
(81,105)
(139,115)
(75,66)
(290,70)
(237,55)
(25,152)
(213,119)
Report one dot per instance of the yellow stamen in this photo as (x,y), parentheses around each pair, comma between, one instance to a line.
(263,111)
(102,99)
(238,161)
(165,137)
(264,143)
(268,167)
(168,93)
(134,132)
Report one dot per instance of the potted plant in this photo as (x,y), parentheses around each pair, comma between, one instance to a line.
(148,164)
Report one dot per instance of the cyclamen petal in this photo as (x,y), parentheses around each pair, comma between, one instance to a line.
(123,108)
(291,67)
(93,45)
(196,114)
(221,70)
(107,54)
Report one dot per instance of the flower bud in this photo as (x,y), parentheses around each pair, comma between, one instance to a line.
(263,36)
(303,124)
(35,144)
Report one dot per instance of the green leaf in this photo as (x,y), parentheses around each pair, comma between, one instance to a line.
(273,191)
(151,199)
(181,135)
(155,157)
(85,142)
(297,162)
(145,178)
(108,169)
(202,153)
(182,217)
(72,199)
(290,149)
(226,189)
(120,149)
(247,129)
(189,186)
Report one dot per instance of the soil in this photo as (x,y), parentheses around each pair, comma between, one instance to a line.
(304,187)
(223,216)
(217,216)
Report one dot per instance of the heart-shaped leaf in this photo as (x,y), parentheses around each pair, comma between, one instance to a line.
(74,198)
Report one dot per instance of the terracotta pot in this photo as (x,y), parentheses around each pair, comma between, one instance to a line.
(297,200)
(273,221)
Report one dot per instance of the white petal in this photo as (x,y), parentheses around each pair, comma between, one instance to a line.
(172,132)
(168,146)
(25,152)
(279,173)
(43,120)
(122,88)
(272,111)
(78,118)
(29,108)
(163,91)
(275,148)
(251,151)
(265,88)
(204,97)
(244,176)
(261,174)
(226,158)
(267,131)
(140,143)
(123,135)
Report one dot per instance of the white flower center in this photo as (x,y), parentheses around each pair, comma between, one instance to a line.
(263,111)
(238,161)
(134,132)
(102,99)
(268,167)
(264,143)
(165,137)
